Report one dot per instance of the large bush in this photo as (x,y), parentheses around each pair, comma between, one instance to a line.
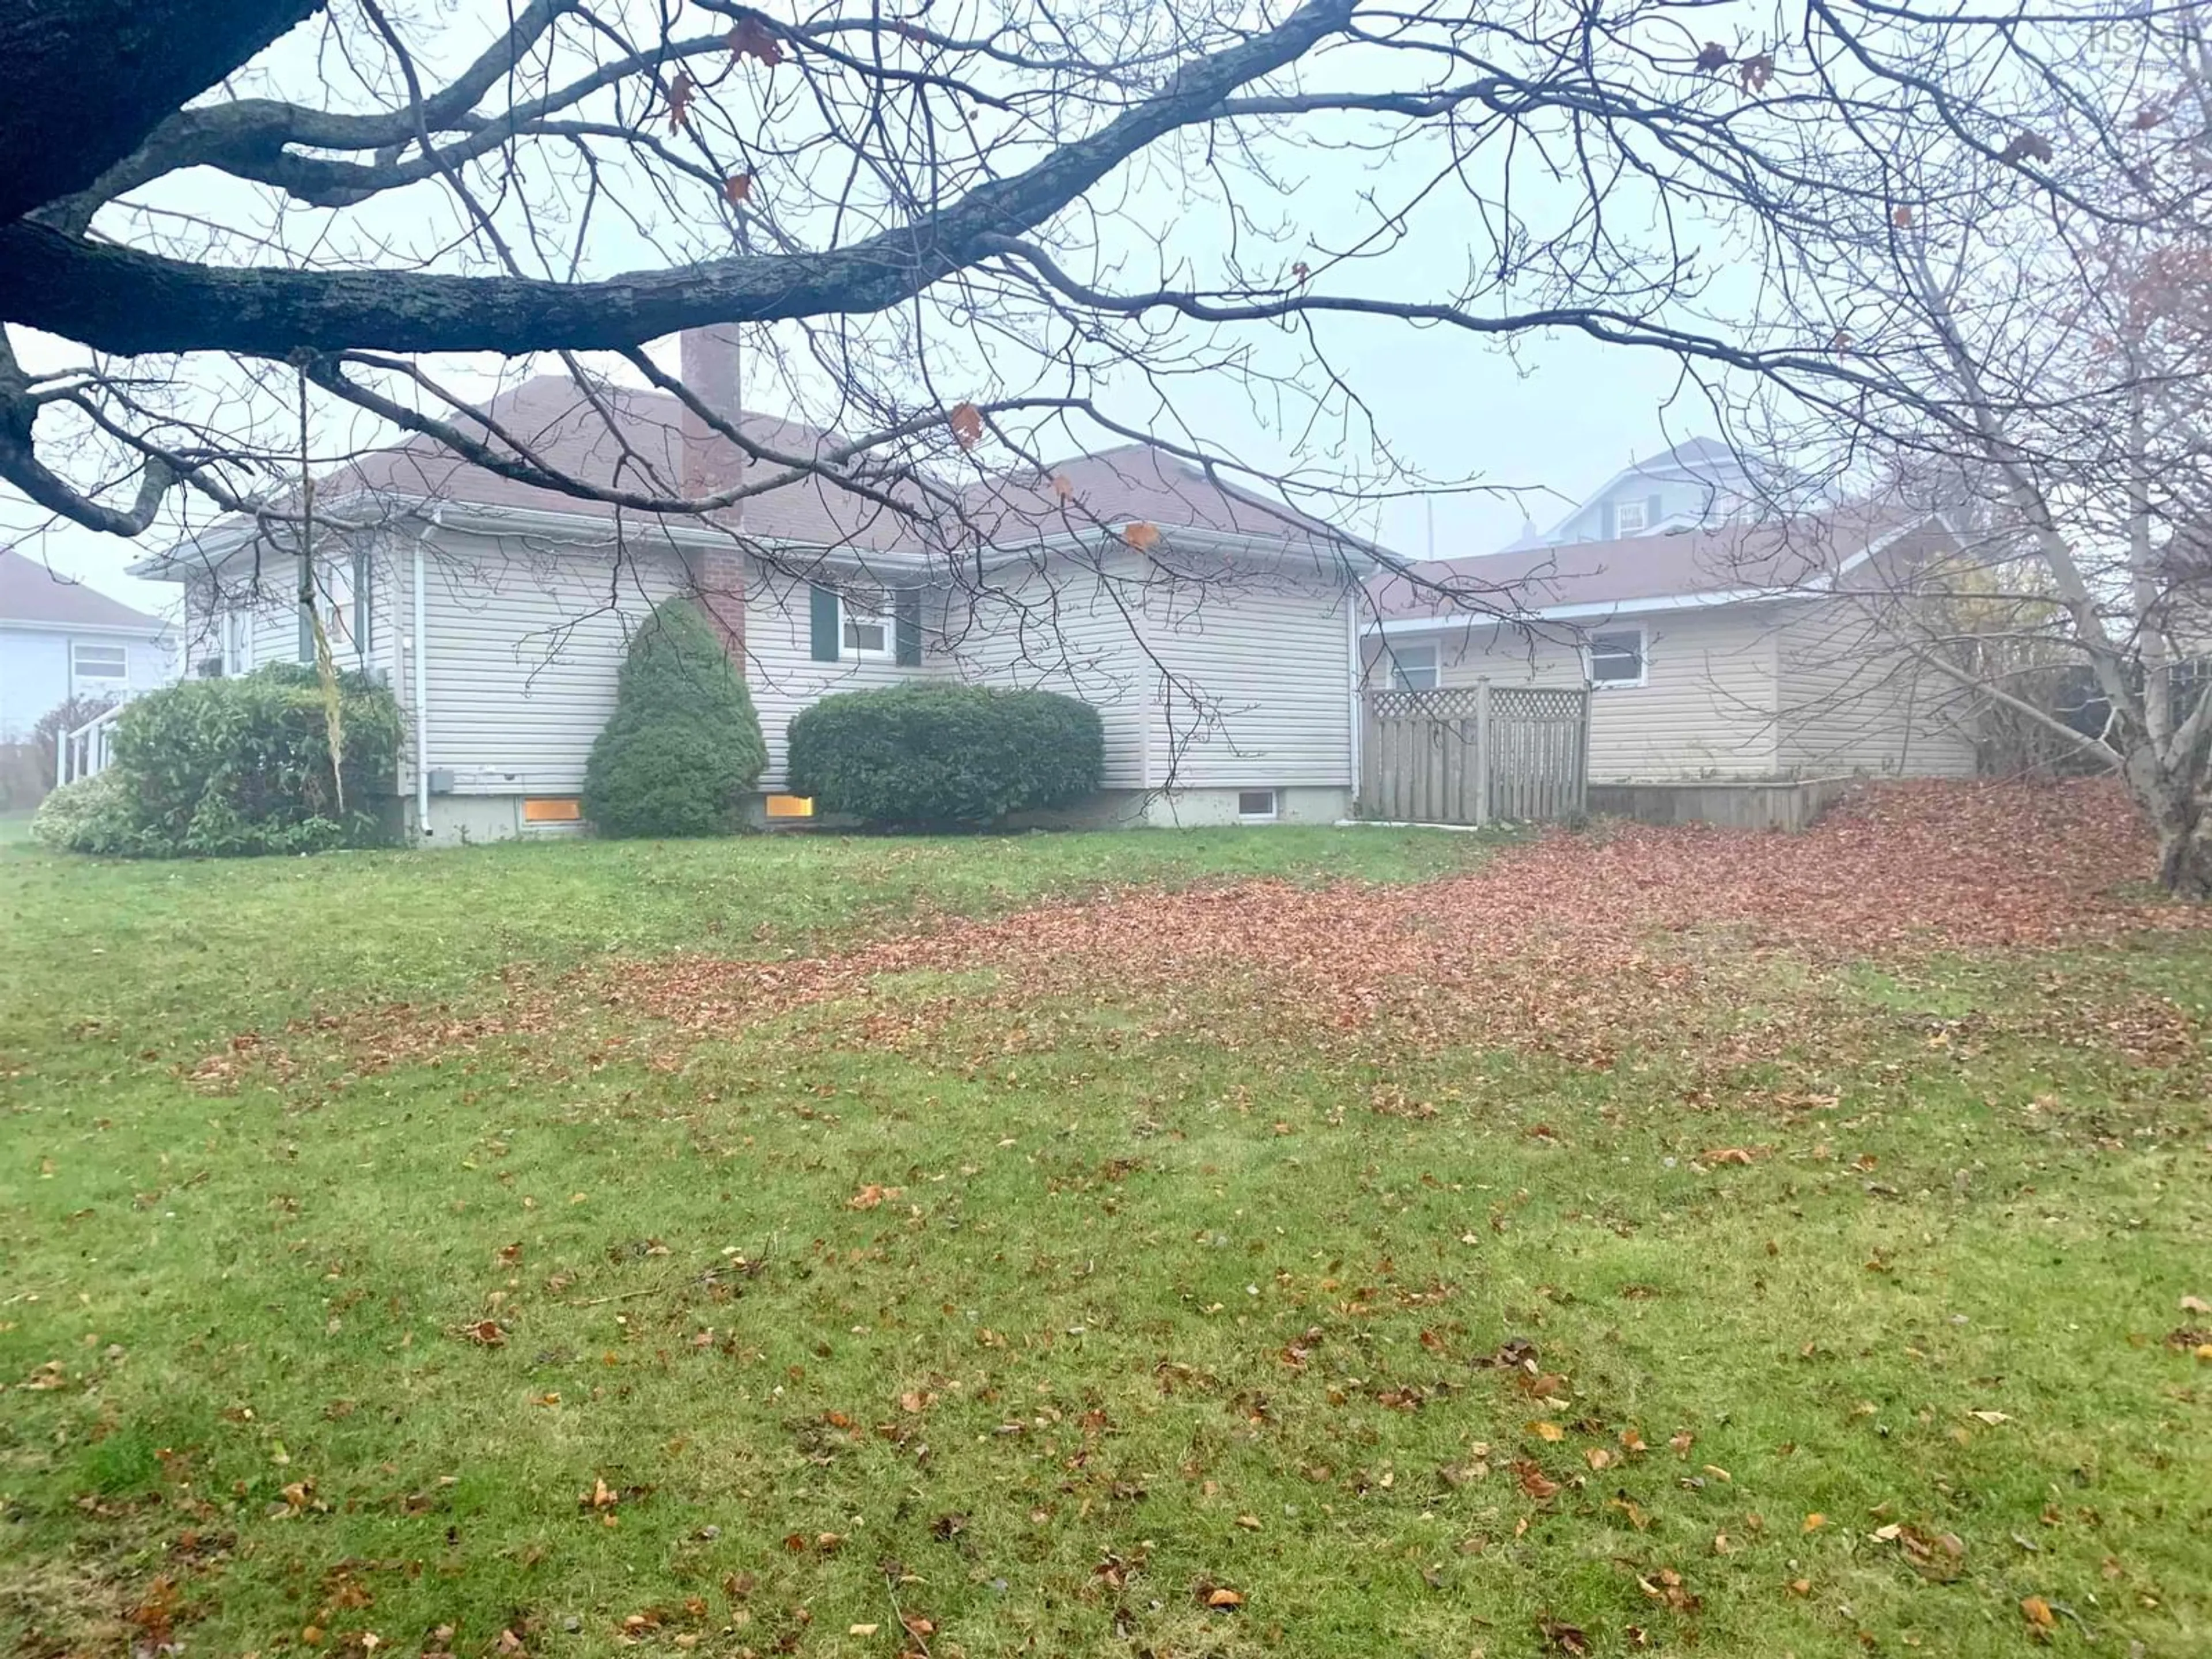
(945,755)
(684,749)
(224,767)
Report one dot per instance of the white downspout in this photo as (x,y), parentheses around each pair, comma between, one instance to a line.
(423,683)
(1352,693)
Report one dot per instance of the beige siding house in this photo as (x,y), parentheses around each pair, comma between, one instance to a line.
(1740,652)
(1223,658)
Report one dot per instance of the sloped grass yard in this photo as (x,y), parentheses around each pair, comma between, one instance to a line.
(1240,1244)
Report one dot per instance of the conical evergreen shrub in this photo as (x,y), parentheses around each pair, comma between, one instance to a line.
(684,748)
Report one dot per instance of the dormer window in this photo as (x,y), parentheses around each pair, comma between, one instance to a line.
(1628,518)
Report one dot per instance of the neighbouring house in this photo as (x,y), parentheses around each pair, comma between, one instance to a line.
(1747,651)
(1696,485)
(60,639)
(1222,652)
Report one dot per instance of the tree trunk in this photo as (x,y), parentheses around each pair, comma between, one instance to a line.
(2184,858)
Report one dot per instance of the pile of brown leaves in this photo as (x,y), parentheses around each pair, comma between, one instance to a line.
(1574,945)
(1567,945)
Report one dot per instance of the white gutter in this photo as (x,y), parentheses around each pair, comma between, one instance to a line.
(152,635)
(1607,608)
(435,521)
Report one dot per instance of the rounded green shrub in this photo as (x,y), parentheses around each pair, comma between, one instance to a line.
(923,755)
(92,815)
(684,748)
(230,766)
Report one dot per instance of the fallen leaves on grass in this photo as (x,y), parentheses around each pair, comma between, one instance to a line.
(1933,1555)
(1534,1482)
(1577,946)
(1568,1639)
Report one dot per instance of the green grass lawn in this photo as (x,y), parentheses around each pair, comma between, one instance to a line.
(420,1253)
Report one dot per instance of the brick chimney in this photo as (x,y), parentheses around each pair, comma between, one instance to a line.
(708,366)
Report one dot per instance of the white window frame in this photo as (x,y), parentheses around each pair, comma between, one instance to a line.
(78,675)
(884,618)
(1400,658)
(1642,659)
(1620,524)
(1274,807)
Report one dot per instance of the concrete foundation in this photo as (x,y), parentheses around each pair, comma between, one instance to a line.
(472,820)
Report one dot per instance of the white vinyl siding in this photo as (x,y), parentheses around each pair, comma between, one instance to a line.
(1706,707)
(1852,702)
(523,647)
(1255,691)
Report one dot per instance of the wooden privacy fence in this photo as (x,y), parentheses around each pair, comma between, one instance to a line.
(1474,753)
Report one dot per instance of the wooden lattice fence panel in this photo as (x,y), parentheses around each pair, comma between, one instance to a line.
(1474,753)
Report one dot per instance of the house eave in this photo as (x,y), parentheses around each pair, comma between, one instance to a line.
(1585,610)
(119,630)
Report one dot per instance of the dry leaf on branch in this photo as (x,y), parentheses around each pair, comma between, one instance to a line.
(737,187)
(967,424)
(681,92)
(750,37)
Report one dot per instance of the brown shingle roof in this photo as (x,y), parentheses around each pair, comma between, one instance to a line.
(30,592)
(1134,484)
(640,450)
(1642,569)
(643,451)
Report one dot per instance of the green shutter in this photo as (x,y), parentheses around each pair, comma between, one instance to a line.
(823,619)
(907,634)
(307,611)
(364,604)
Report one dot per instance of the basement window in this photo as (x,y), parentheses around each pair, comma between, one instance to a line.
(790,806)
(552,809)
(1255,807)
